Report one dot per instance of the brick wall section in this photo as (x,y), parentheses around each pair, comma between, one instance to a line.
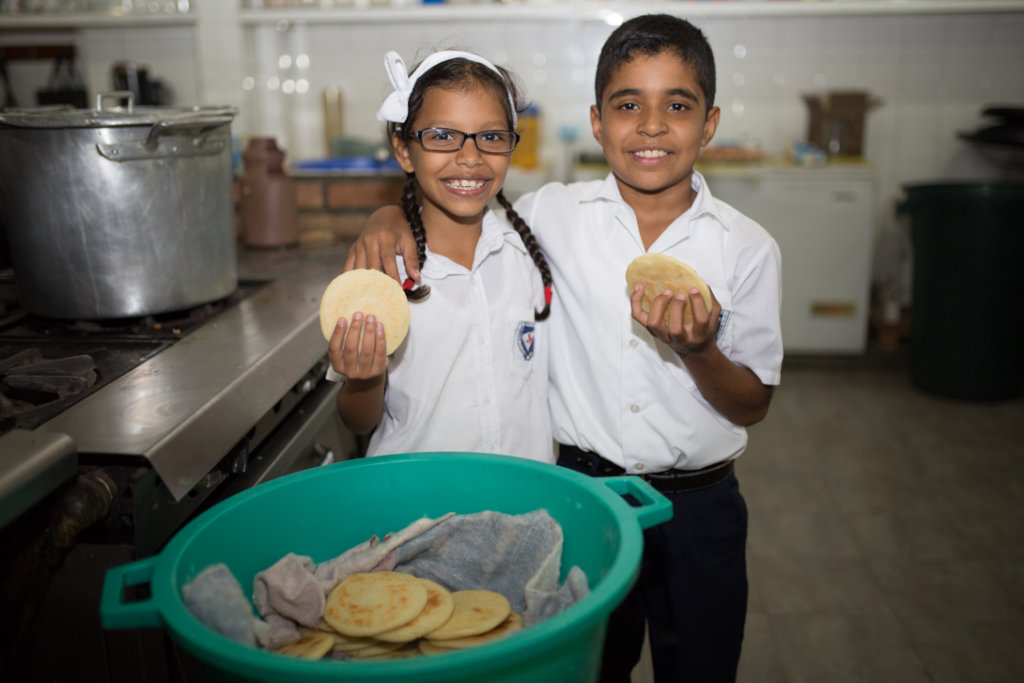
(362,194)
(333,207)
(309,194)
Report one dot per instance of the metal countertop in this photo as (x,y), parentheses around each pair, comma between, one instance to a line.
(292,262)
(184,408)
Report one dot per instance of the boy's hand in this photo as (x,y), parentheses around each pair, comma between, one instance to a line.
(386,234)
(682,337)
(355,360)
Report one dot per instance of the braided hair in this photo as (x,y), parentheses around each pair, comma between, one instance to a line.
(535,253)
(411,207)
(457,71)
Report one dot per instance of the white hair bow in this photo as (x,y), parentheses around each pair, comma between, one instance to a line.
(396,106)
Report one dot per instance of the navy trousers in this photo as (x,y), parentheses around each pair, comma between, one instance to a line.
(691,592)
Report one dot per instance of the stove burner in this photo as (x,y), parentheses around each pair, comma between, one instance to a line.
(166,326)
(29,382)
(46,365)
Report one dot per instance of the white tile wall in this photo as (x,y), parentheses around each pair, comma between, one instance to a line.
(931,73)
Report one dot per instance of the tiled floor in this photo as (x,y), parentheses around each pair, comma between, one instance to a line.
(886,532)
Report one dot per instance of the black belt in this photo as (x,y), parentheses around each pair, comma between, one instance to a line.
(671,481)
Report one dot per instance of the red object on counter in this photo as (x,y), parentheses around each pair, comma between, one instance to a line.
(268,202)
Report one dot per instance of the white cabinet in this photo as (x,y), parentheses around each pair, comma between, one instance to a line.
(822,220)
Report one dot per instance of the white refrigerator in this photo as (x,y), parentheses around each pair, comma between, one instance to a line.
(822,220)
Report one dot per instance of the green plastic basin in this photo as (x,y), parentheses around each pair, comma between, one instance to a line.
(323,512)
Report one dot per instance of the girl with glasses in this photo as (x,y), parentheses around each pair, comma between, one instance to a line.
(472,373)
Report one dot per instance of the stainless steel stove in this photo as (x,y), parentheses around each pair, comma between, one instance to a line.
(114,434)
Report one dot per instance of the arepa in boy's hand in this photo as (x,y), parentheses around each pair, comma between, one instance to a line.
(658,272)
(371,292)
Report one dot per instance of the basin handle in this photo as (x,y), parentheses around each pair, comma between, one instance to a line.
(654,507)
(115,613)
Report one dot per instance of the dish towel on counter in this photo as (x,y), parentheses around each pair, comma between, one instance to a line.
(518,556)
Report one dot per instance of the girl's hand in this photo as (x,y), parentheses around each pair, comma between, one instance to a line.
(682,337)
(355,360)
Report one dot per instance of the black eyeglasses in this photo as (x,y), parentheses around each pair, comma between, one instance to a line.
(450,140)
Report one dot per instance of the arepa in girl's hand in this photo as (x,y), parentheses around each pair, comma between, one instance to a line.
(372,293)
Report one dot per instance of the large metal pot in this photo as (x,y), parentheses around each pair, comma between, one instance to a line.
(118,212)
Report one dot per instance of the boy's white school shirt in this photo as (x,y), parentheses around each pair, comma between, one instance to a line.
(472,374)
(615,389)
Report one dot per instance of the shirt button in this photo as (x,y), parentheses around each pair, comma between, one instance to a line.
(487,400)
(639,466)
(634,408)
(633,343)
(480,341)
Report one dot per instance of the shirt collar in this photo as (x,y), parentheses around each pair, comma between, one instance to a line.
(703,203)
(494,234)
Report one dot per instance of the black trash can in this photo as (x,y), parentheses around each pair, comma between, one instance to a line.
(967,313)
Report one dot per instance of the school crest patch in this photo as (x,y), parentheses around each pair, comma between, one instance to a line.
(526,340)
(723,323)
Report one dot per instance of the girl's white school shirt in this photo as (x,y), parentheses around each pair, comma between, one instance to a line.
(472,374)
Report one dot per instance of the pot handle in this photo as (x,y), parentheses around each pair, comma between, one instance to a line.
(204,123)
(153,149)
(115,613)
(118,95)
(654,508)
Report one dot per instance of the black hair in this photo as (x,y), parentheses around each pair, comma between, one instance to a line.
(649,35)
(461,72)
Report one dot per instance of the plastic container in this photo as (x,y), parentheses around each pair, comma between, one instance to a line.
(321,513)
(967,316)
(527,153)
(269,204)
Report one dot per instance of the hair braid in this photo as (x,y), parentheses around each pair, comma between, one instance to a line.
(535,253)
(412,214)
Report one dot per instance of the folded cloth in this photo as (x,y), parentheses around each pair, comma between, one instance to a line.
(542,604)
(289,589)
(518,556)
(216,599)
(371,555)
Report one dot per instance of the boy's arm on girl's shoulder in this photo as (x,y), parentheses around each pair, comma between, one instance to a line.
(385,235)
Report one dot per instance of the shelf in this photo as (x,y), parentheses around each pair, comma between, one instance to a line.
(610,12)
(82,20)
(409,11)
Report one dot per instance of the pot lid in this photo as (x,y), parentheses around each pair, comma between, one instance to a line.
(103,116)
